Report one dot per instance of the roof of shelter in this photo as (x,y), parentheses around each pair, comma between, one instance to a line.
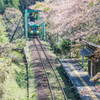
(86,52)
(89,50)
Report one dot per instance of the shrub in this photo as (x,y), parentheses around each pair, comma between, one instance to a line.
(16,56)
(3,33)
(65,45)
(57,48)
(20,43)
(1,92)
(62,47)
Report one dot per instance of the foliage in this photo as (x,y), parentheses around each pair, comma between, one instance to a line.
(65,45)
(8,3)
(8,58)
(16,56)
(94,38)
(38,5)
(57,48)
(21,7)
(52,40)
(45,9)
(78,21)
(62,47)
(2,6)
(43,6)
(20,43)
(12,75)
(91,3)
(3,33)
(16,74)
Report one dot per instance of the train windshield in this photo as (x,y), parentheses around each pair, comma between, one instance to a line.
(31,29)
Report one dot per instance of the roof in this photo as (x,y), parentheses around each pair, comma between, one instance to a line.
(86,52)
(32,23)
(38,22)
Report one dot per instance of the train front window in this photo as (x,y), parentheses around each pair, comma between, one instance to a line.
(31,29)
(34,30)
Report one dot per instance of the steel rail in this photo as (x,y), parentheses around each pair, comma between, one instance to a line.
(44,71)
(53,70)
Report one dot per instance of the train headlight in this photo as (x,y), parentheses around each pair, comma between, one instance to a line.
(37,31)
(31,31)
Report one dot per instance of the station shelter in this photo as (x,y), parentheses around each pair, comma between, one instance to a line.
(89,51)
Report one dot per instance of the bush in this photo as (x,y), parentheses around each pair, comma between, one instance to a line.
(65,45)
(8,3)
(1,92)
(20,43)
(57,48)
(3,33)
(16,56)
(62,47)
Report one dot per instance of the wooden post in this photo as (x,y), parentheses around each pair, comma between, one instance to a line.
(82,60)
(77,51)
(82,55)
(92,69)
(89,66)
(71,49)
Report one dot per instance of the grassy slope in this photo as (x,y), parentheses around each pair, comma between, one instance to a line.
(15,83)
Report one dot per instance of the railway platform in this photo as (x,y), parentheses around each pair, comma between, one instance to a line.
(80,80)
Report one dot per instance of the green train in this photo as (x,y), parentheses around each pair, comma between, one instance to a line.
(33,30)
(34,24)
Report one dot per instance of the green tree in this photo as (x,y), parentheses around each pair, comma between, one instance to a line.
(2,6)
(15,3)
(9,3)
(12,3)
(3,34)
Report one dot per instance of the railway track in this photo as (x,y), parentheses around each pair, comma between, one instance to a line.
(56,90)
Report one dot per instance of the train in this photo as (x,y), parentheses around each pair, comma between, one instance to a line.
(33,27)
(34,24)
(33,30)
